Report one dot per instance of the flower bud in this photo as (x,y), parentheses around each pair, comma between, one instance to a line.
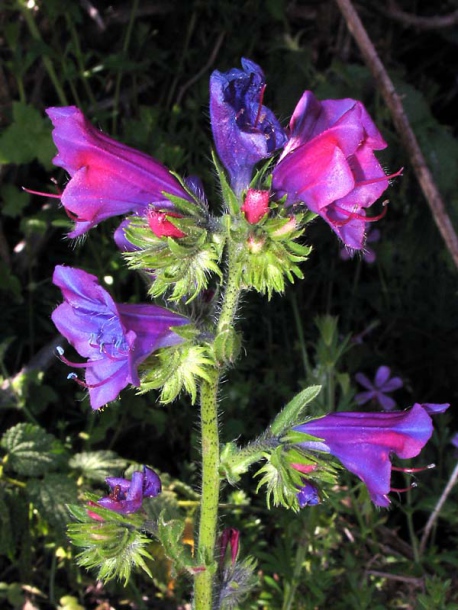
(161,226)
(256,205)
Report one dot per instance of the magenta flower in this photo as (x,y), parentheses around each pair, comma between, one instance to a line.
(378,389)
(127,496)
(230,538)
(107,178)
(115,338)
(244,130)
(329,165)
(363,442)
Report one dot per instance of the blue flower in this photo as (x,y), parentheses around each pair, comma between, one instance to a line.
(244,130)
(127,496)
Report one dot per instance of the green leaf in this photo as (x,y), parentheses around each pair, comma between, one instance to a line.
(97,465)
(27,138)
(293,412)
(15,200)
(31,451)
(50,496)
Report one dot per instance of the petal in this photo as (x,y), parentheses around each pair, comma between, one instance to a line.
(364,381)
(434,409)
(316,174)
(308,495)
(381,376)
(386,402)
(151,483)
(393,384)
(364,397)
(107,177)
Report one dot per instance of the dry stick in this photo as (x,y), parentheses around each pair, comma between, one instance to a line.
(433,22)
(433,517)
(402,125)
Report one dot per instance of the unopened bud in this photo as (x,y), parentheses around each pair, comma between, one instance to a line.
(161,226)
(256,205)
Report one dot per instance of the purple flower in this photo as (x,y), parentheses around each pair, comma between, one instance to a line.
(107,177)
(308,495)
(378,389)
(127,496)
(115,338)
(363,443)
(244,130)
(329,164)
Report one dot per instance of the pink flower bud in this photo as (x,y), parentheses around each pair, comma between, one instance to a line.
(161,226)
(256,205)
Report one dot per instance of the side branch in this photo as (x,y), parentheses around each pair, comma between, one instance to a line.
(402,125)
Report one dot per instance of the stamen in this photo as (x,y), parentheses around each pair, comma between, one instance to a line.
(261,97)
(381,179)
(76,365)
(355,216)
(413,470)
(398,490)
(51,195)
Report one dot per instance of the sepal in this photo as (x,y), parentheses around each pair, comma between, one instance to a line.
(293,413)
(176,369)
(180,267)
(270,254)
(112,543)
(230,199)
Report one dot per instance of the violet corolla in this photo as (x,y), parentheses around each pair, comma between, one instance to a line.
(378,389)
(245,131)
(363,443)
(107,178)
(115,338)
(127,496)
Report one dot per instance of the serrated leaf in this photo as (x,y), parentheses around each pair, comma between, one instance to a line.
(50,496)
(31,451)
(97,465)
(293,411)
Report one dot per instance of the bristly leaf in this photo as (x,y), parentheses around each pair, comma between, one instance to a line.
(171,535)
(31,451)
(293,412)
(50,496)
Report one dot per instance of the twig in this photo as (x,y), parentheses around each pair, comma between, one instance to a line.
(434,515)
(434,22)
(199,74)
(418,582)
(402,125)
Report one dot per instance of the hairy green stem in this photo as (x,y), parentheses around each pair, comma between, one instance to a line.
(203,584)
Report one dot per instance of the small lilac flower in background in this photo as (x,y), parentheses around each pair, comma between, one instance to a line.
(363,443)
(245,131)
(378,389)
(368,254)
(329,164)
(127,496)
(115,338)
(107,178)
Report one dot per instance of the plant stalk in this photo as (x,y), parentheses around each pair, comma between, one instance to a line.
(203,583)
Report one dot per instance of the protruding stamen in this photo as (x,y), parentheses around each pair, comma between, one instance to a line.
(51,195)
(75,365)
(413,470)
(403,490)
(355,216)
(261,97)
(381,179)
